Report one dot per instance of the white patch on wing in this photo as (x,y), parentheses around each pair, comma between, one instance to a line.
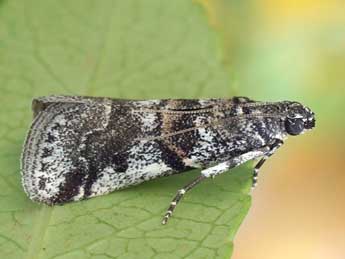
(106,182)
(153,170)
(204,102)
(144,163)
(206,144)
(239,110)
(56,164)
(144,103)
(107,112)
(148,120)
(80,195)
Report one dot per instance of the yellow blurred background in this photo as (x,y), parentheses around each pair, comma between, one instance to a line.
(292,50)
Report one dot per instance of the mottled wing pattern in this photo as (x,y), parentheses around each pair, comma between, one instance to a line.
(79,147)
(53,166)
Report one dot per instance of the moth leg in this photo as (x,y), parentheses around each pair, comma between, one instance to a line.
(212,172)
(272,149)
(179,196)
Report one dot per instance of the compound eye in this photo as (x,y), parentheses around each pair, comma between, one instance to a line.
(294,126)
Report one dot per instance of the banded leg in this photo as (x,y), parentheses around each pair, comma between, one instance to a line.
(273,147)
(211,172)
(179,196)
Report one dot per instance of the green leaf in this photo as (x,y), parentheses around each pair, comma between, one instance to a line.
(130,49)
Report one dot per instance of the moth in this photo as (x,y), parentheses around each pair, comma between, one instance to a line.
(81,147)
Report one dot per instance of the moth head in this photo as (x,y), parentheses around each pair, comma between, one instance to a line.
(299,119)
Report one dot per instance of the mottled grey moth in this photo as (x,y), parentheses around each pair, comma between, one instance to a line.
(80,147)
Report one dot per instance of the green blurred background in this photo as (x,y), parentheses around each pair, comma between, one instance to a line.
(292,50)
(272,50)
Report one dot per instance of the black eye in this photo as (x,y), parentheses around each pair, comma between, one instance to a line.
(294,126)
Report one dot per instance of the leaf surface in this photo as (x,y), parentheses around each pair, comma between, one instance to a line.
(123,49)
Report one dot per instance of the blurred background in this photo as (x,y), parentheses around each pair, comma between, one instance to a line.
(292,50)
(272,50)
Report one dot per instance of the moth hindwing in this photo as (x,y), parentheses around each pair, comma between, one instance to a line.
(80,147)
